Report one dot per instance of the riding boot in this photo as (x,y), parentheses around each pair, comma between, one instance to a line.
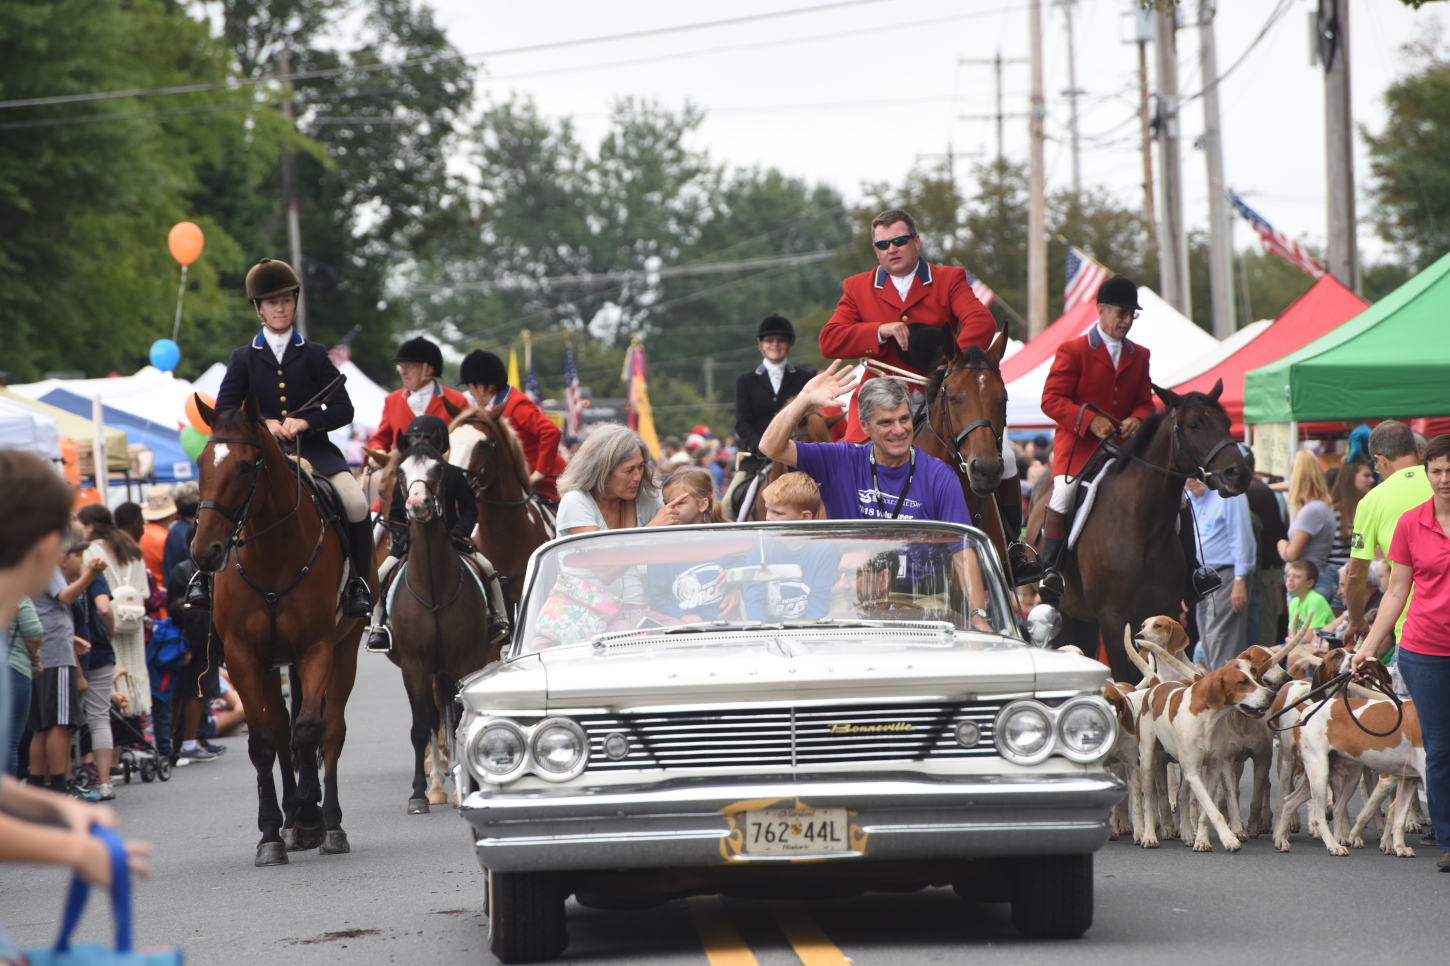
(357,600)
(1202,580)
(1009,504)
(380,635)
(498,614)
(1054,539)
(198,592)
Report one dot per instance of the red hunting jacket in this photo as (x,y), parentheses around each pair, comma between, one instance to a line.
(539,438)
(940,295)
(397,414)
(1082,372)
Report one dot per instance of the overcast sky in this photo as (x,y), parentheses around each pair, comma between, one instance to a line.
(860,94)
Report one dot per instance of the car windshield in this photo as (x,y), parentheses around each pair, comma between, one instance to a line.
(692,580)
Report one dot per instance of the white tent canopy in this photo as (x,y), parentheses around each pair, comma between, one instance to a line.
(150,394)
(1173,340)
(1212,359)
(29,430)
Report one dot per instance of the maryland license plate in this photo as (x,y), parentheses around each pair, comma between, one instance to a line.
(796,831)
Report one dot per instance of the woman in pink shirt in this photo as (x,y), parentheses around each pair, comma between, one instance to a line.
(1421,553)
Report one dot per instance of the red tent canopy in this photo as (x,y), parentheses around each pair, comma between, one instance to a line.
(1044,346)
(1326,305)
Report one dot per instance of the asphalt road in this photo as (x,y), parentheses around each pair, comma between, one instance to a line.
(411,891)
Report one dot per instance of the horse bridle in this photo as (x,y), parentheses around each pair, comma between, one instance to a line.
(475,478)
(955,445)
(1178,443)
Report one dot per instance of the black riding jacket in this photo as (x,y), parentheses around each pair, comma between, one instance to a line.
(460,508)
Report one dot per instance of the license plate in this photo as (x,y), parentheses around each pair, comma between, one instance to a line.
(796,831)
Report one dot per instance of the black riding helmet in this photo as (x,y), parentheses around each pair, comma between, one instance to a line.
(922,346)
(1119,290)
(430,429)
(776,325)
(482,368)
(421,350)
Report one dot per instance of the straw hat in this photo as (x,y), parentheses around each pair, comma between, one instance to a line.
(159,504)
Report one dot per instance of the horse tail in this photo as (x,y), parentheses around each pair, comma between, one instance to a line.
(445,695)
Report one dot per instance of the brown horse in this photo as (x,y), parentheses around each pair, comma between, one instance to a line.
(278,603)
(1129,564)
(512,523)
(439,613)
(965,420)
(814,427)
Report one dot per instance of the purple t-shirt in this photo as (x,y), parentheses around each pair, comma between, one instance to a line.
(843,472)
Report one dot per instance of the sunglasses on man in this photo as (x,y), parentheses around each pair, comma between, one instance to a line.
(900,241)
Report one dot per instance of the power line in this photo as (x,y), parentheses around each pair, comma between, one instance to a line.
(1279,11)
(236,83)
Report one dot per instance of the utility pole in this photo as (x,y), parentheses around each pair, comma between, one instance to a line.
(1072,94)
(1000,115)
(289,192)
(1036,189)
(1339,141)
(1220,229)
(1172,253)
(710,377)
(1143,21)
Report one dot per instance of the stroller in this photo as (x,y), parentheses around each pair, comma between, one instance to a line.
(135,753)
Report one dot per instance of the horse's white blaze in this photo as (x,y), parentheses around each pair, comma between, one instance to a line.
(461,443)
(220,452)
(415,470)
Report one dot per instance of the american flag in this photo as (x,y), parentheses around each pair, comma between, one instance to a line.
(573,401)
(1084,276)
(979,288)
(1275,241)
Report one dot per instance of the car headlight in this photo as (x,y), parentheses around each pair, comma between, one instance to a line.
(1024,733)
(498,751)
(1086,730)
(560,749)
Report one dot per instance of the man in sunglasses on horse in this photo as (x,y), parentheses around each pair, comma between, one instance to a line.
(460,514)
(894,317)
(283,372)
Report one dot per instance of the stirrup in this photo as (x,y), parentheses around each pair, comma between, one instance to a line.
(379,639)
(498,631)
(1024,571)
(198,592)
(1052,587)
(1205,581)
(357,600)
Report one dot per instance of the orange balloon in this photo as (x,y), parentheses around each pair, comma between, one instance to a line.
(186,242)
(193,414)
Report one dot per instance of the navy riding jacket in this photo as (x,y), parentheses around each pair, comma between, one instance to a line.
(305,370)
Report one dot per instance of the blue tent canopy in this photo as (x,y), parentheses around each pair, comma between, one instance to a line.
(172,463)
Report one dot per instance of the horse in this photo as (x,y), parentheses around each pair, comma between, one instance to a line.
(440,616)
(279,603)
(814,427)
(1129,563)
(512,524)
(965,419)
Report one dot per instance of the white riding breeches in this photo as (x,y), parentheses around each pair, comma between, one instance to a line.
(1061,495)
(350,495)
(1009,459)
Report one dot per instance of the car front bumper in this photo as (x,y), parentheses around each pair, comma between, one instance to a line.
(691,823)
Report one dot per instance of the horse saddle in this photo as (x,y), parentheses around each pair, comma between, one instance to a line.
(327,501)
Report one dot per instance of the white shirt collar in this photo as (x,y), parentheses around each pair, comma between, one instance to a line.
(1115,346)
(903,282)
(278,341)
(418,401)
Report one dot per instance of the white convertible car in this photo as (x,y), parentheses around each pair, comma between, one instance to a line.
(808,710)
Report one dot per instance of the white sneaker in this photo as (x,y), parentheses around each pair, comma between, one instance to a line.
(107,792)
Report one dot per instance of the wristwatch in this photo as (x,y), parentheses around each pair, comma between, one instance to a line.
(979,612)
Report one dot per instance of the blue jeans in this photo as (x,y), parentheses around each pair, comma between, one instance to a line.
(1328,583)
(1428,678)
(19,717)
(161,722)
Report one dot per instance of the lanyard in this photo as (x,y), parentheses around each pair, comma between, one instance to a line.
(876,484)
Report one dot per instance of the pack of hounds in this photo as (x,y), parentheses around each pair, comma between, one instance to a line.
(1211,724)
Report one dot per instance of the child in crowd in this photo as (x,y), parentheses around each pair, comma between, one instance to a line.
(1305,603)
(689,592)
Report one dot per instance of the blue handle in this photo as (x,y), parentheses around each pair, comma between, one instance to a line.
(75,902)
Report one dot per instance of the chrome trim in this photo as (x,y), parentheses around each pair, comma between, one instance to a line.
(1102,708)
(482,773)
(998,733)
(584,749)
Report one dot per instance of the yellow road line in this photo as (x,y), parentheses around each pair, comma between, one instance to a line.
(723,943)
(806,937)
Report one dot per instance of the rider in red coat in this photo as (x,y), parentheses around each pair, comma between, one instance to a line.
(487,381)
(419,364)
(1103,369)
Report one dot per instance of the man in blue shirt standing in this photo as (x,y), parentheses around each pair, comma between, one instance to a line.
(1226,543)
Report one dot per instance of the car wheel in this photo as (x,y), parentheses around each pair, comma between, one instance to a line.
(1052,896)
(526,916)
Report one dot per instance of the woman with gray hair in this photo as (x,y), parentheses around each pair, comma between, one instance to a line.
(608,486)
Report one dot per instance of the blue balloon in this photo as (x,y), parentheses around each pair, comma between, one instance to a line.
(165,354)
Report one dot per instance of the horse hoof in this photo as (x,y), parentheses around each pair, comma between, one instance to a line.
(335,843)
(438,797)
(308,836)
(271,853)
(289,840)
(417,806)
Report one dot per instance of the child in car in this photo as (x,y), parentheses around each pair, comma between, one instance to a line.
(795,496)
(688,593)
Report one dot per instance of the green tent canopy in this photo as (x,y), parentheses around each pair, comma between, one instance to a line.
(1389,361)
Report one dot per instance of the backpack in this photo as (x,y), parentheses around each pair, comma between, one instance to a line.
(166,650)
(129,608)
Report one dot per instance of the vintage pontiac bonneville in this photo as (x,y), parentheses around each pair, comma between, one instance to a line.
(797,710)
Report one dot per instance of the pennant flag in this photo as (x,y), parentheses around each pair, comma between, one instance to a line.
(641,416)
(1276,242)
(1084,276)
(514,367)
(573,399)
(979,288)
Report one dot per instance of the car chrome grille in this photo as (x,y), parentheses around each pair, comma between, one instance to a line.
(791,736)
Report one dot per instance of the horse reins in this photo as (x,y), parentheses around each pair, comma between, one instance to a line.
(1338,686)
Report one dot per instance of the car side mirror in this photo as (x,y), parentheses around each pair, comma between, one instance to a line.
(1043,623)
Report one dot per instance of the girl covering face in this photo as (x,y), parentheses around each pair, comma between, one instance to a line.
(689,592)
